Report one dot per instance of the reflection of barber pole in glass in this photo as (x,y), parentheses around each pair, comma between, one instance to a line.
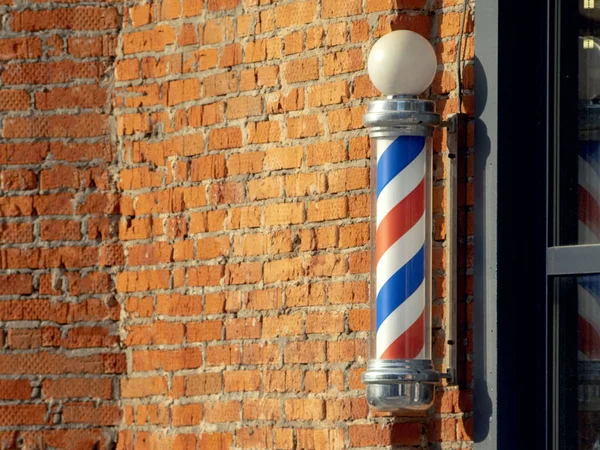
(400,248)
(588,286)
(588,290)
(589,233)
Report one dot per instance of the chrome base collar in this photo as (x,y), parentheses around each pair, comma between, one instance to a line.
(588,389)
(400,384)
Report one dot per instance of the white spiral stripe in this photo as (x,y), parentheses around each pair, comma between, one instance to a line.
(400,186)
(400,320)
(589,308)
(588,179)
(586,236)
(401,252)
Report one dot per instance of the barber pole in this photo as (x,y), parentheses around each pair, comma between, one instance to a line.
(400,373)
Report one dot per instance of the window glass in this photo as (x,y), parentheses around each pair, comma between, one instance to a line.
(579,367)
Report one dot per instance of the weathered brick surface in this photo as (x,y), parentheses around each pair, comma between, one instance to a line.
(184,223)
(59,313)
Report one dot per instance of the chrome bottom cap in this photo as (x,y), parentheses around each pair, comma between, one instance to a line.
(396,385)
(412,396)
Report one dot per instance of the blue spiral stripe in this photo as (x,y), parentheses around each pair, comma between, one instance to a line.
(397,157)
(400,286)
(590,151)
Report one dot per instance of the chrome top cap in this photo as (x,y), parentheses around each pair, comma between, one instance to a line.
(413,115)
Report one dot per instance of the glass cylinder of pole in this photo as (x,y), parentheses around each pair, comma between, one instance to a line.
(400,374)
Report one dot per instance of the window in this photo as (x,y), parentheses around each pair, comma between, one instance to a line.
(548,227)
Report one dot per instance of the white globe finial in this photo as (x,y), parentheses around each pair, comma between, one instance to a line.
(402,63)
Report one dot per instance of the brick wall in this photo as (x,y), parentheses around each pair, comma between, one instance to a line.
(184,233)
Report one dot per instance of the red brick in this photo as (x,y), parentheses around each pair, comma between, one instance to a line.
(90,413)
(205,275)
(386,5)
(19,415)
(18,180)
(68,126)
(296,13)
(84,47)
(231,55)
(146,280)
(203,383)
(215,441)
(283,381)
(261,409)
(262,50)
(294,43)
(16,284)
(217,355)
(20,48)
(243,273)
(179,305)
(80,18)
(304,409)
(209,330)
(15,389)
(14,100)
(224,138)
(284,325)
(189,414)
(341,8)
(261,354)
(220,412)
(149,254)
(263,76)
(243,163)
(60,230)
(330,322)
(328,94)
(76,387)
(14,233)
(249,328)
(301,70)
(358,320)
(324,153)
(321,438)
(347,350)
(336,208)
(244,107)
(336,34)
(242,380)
(283,158)
(343,62)
(450,25)
(345,119)
(141,14)
(304,126)
(149,40)
(369,435)
(220,5)
(304,352)
(169,360)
